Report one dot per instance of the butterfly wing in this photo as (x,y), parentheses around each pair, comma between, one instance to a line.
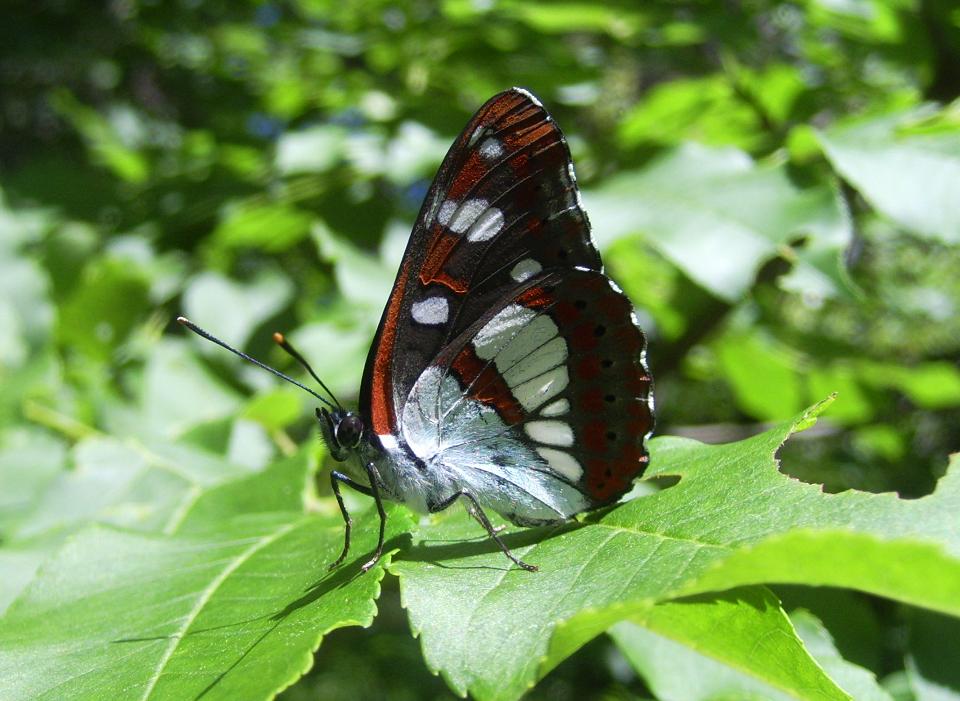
(503,207)
(542,405)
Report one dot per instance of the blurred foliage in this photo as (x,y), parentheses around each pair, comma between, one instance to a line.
(775,185)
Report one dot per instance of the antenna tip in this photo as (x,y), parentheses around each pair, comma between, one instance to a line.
(183,320)
(278,338)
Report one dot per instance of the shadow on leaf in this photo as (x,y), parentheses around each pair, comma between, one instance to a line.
(437,552)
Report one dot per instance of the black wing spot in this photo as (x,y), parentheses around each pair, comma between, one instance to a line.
(609,398)
(606,362)
(600,330)
(611,435)
(563,253)
(580,304)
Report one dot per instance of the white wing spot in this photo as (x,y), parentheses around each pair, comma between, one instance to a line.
(497,332)
(432,311)
(525,269)
(562,463)
(543,388)
(557,408)
(491,148)
(517,365)
(550,432)
(446,212)
(475,136)
(488,225)
(466,215)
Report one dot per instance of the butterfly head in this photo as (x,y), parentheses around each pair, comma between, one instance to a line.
(342,431)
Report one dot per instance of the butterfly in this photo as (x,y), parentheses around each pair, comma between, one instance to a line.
(508,371)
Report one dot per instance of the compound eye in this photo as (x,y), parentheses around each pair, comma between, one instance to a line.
(349,430)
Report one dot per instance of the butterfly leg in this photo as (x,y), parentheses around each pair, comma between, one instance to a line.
(374,478)
(477,512)
(335,479)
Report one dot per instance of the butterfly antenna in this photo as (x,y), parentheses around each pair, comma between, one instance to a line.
(210,337)
(282,341)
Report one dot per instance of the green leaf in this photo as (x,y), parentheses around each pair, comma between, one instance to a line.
(314,150)
(860,683)
(233,310)
(269,226)
(30,460)
(907,569)
(719,217)
(763,375)
(932,656)
(92,321)
(734,645)
(275,409)
(935,385)
(192,504)
(174,380)
(909,174)
(235,613)
(851,618)
(577,17)
(19,562)
(104,138)
(360,276)
(732,520)
(280,487)
(125,484)
(707,110)
(26,314)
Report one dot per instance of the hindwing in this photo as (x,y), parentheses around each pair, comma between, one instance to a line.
(555,374)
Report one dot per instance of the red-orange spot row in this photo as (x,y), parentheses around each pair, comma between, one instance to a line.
(437,255)
(486,385)
(535,298)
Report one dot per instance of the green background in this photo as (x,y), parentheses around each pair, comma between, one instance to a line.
(775,185)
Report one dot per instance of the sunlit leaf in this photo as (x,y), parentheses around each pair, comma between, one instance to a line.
(765,378)
(736,644)
(178,393)
(30,460)
(265,225)
(105,138)
(236,612)
(707,110)
(719,217)
(314,150)
(912,177)
(26,315)
(732,520)
(91,321)
(232,310)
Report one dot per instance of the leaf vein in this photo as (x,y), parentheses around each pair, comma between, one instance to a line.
(205,595)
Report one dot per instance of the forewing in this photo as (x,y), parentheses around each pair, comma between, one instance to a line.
(503,207)
(551,380)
